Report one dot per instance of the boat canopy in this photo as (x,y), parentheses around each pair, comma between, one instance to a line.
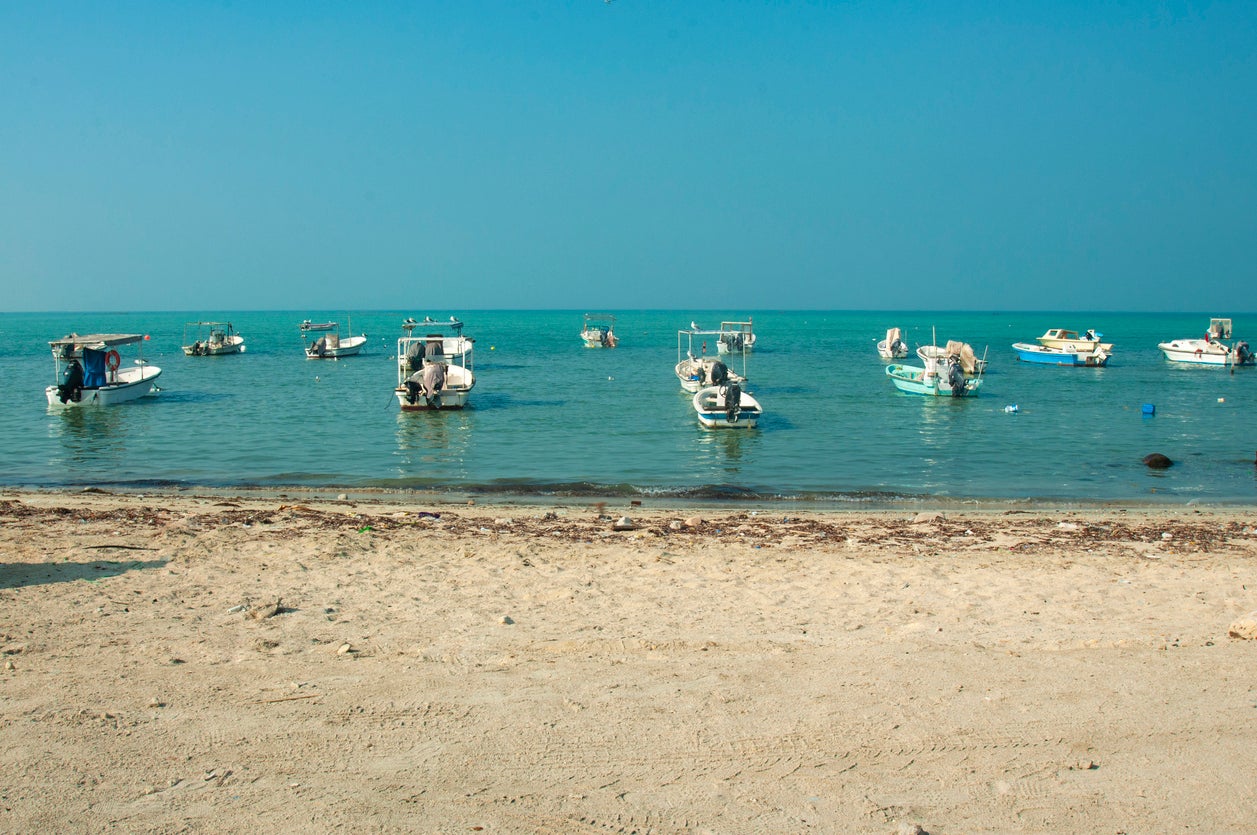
(98,340)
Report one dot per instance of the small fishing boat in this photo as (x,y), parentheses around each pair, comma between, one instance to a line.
(969,362)
(1210,350)
(939,378)
(332,346)
(211,339)
(89,371)
(599,331)
(726,407)
(428,376)
(1046,355)
(735,337)
(1074,341)
(892,347)
(307,325)
(696,372)
(453,343)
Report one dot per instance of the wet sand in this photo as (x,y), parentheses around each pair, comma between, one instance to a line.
(179,663)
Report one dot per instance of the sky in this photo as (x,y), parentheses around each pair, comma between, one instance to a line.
(585,154)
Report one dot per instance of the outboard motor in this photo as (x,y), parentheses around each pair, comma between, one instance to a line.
(733,402)
(719,373)
(955,377)
(1243,356)
(71,385)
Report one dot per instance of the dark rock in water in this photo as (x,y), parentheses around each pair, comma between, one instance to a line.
(1157,461)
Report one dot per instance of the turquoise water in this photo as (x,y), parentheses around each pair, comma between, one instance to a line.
(552,418)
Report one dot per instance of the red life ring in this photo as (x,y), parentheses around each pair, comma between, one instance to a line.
(113,360)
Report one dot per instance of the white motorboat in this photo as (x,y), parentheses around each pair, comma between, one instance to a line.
(892,347)
(211,339)
(735,337)
(696,372)
(1210,350)
(332,346)
(89,371)
(599,331)
(430,377)
(1085,342)
(453,343)
(307,325)
(726,407)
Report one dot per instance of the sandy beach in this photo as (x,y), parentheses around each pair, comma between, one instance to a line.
(176,663)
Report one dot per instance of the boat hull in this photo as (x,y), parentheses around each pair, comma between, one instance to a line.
(709,406)
(127,385)
(233,345)
(1043,355)
(459,382)
(348,347)
(912,380)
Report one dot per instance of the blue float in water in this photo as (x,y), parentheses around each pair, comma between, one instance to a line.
(1149,409)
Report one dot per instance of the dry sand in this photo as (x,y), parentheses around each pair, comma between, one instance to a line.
(180,663)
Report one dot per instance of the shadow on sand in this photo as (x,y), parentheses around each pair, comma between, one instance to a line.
(17,575)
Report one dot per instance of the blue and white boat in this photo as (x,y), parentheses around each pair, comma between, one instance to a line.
(726,407)
(1046,355)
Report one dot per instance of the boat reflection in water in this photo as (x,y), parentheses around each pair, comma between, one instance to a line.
(93,440)
(432,447)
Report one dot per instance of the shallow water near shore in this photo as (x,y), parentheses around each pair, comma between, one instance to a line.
(550,418)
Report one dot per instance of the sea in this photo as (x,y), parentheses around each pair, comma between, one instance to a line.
(552,420)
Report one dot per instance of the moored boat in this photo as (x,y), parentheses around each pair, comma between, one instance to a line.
(696,372)
(599,331)
(1046,355)
(332,346)
(211,339)
(939,378)
(307,325)
(89,371)
(1073,341)
(893,346)
(726,407)
(736,337)
(1210,350)
(428,376)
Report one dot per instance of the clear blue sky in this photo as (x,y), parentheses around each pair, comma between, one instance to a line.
(630,154)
